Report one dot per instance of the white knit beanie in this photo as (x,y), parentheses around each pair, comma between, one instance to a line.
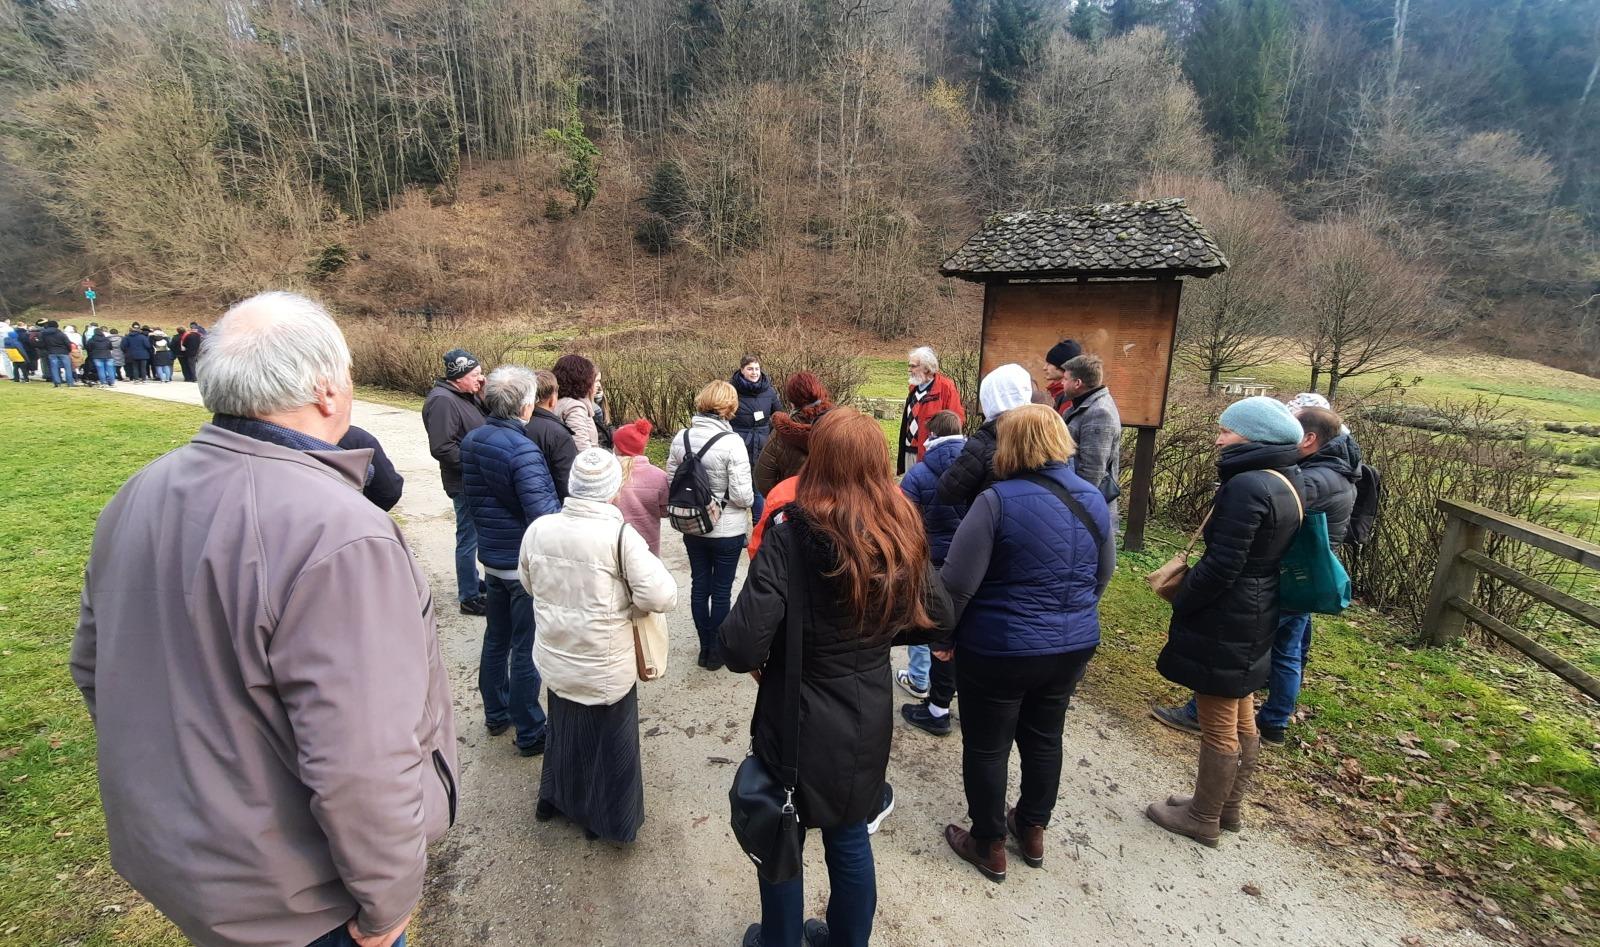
(1007,387)
(596,475)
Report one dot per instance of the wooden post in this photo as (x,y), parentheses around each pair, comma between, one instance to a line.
(1138,509)
(1453,578)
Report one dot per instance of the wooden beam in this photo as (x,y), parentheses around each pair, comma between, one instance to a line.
(1586,554)
(1144,469)
(1576,676)
(1453,577)
(1544,592)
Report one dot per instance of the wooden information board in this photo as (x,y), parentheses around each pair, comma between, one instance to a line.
(1129,324)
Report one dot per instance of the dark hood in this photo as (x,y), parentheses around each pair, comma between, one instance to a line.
(1341,455)
(1241,458)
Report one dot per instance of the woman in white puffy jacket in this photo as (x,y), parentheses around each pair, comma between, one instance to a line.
(714,557)
(589,573)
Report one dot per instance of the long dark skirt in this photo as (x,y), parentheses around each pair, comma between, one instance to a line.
(592,772)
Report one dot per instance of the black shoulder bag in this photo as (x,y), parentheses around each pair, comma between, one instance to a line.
(1065,496)
(765,821)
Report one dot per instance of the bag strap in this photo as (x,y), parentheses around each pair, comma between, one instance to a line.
(1065,496)
(1292,491)
(1198,532)
(622,569)
(701,453)
(794,612)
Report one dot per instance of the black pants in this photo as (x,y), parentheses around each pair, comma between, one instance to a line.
(942,682)
(138,369)
(1014,699)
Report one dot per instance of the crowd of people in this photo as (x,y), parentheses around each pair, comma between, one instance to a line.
(100,355)
(276,751)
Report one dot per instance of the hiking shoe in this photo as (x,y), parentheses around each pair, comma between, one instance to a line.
(495,729)
(713,659)
(752,936)
(883,813)
(536,748)
(1274,735)
(1178,718)
(476,605)
(903,678)
(919,716)
(815,933)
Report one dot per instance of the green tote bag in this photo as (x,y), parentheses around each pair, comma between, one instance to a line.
(1310,577)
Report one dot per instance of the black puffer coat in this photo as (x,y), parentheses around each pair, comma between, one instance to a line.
(973,471)
(758,402)
(1328,481)
(846,699)
(1226,613)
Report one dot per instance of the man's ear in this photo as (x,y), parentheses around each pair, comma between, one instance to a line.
(327,399)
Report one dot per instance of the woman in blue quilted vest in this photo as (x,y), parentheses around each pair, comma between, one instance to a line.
(1025,572)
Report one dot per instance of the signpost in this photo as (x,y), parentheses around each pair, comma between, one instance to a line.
(89,295)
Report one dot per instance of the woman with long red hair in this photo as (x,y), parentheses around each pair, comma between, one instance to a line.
(852,549)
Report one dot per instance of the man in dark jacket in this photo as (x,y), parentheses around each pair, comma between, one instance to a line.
(18,339)
(57,350)
(545,429)
(384,483)
(448,413)
(136,351)
(1330,467)
(98,348)
(972,472)
(189,342)
(507,485)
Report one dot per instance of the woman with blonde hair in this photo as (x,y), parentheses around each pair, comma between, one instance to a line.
(1025,571)
(714,554)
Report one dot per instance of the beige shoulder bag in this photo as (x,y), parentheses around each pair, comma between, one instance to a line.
(649,629)
(1166,580)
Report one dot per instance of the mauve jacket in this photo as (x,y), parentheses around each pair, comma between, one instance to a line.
(257,649)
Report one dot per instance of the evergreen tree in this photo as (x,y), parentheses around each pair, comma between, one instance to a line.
(1087,22)
(1124,16)
(1237,59)
(999,39)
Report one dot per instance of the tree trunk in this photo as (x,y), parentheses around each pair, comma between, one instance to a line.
(1397,48)
(1333,385)
(1216,376)
(1316,375)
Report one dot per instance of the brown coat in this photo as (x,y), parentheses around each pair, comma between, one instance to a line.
(785,451)
(257,648)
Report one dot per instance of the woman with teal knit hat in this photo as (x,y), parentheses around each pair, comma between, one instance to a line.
(1219,642)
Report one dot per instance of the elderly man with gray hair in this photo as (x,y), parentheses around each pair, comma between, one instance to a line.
(507,486)
(257,648)
(929,393)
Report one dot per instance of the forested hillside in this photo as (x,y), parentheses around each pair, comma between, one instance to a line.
(1380,171)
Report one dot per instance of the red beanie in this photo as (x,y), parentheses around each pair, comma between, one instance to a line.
(630,439)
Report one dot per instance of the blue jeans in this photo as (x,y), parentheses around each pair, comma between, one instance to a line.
(852,894)
(921,663)
(757,507)
(61,370)
(1290,648)
(340,937)
(164,372)
(508,638)
(466,550)
(105,371)
(712,566)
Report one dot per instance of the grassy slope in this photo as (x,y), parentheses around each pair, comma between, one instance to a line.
(69,451)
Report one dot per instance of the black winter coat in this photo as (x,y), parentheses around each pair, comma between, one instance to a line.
(1328,481)
(447,415)
(386,484)
(1219,642)
(846,698)
(52,341)
(973,471)
(136,346)
(99,346)
(555,441)
(757,399)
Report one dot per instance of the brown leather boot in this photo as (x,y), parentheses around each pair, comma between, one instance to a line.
(1232,819)
(1201,818)
(987,857)
(1030,840)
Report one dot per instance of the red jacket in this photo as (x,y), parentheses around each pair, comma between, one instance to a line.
(939,396)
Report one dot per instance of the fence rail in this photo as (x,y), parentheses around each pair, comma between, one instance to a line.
(1462,561)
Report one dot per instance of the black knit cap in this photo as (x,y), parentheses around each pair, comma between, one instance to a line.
(1063,352)
(458,363)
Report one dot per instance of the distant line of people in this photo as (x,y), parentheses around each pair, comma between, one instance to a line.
(276,739)
(100,355)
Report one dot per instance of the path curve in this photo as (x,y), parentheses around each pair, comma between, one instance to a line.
(1112,877)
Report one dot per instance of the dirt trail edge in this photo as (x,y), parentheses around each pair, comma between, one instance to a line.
(1110,876)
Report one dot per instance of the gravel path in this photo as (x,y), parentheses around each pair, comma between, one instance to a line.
(1110,875)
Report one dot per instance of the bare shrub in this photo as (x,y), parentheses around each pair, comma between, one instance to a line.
(403,356)
(1185,478)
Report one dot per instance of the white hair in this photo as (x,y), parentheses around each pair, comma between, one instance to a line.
(925,357)
(269,354)
(509,389)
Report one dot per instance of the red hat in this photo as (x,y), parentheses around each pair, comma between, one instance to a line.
(629,439)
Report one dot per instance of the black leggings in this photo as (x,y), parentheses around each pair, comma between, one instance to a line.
(1014,699)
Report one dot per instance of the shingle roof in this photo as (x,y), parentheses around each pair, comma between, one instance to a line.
(1131,238)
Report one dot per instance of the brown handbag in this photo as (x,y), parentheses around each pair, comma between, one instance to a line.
(1166,580)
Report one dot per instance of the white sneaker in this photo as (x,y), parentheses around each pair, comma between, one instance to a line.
(888,807)
(903,678)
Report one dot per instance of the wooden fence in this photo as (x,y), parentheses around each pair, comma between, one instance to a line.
(1462,560)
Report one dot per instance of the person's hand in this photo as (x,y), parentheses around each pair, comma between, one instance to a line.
(944,654)
(385,939)
(756,675)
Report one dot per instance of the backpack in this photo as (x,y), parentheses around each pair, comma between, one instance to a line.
(1364,513)
(692,508)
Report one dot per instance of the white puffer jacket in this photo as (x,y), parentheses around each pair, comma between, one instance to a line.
(727,466)
(584,648)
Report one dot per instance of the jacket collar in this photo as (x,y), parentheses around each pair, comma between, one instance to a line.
(1084,401)
(948,438)
(1253,455)
(349,466)
(452,389)
(710,422)
(591,509)
(510,424)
